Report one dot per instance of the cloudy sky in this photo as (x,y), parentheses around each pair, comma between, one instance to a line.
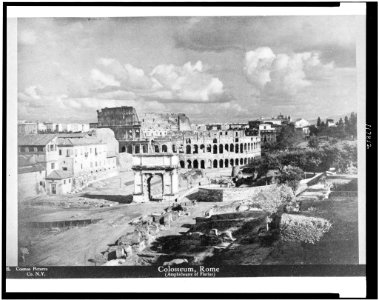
(211,68)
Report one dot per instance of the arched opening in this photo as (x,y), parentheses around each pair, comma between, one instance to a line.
(245,146)
(130,149)
(215,163)
(241,161)
(188,149)
(209,148)
(237,163)
(241,148)
(221,164)
(189,164)
(220,148)
(164,148)
(202,148)
(195,149)
(227,147)
(231,148)
(156,148)
(155,187)
(236,133)
(202,164)
(215,141)
(245,161)
(249,146)
(237,148)
(144,148)
(232,162)
(195,164)
(226,163)
(174,148)
(123,149)
(209,163)
(137,149)
(214,149)
(182,165)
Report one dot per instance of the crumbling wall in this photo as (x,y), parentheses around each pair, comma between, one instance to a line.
(219,194)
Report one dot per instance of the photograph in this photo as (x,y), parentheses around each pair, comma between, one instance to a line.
(194,145)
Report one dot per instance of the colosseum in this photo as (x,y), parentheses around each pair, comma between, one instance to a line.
(199,149)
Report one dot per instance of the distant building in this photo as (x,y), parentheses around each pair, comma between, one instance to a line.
(330,123)
(303,125)
(27,128)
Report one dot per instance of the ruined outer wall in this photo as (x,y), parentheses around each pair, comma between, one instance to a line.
(220,194)
(184,123)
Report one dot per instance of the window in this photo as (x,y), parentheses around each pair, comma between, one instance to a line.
(53,165)
(64,181)
(51,147)
(40,149)
(60,152)
(69,181)
(64,168)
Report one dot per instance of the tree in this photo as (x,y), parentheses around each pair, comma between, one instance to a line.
(313,130)
(291,176)
(313,142)
(318,122)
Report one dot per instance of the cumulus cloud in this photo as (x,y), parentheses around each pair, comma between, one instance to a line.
(284,74)
(188,82)
(166,82)
(103,80)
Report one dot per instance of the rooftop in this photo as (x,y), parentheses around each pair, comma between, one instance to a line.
(75,141)
(59,174)
(35,139)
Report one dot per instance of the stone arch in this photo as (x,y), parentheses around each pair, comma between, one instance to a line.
(215,163)
(174,148)
(156,148)
(231,162)
(231,147)
(245,147)
(182,164)
(241,161)
(202,164)
(209,163)
(215,141)
(221,163)
(164,148)
(226,163)
(214,149)
(236,133)
(237,162)
(155,187)
(237,148)
(202,148)
(189,164)
(226,147)
(130,149)
(209,148)
(245,161)
(123,149)
(188,149)
(249,146)
(220,148)
(241,148)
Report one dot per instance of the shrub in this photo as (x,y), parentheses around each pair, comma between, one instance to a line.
(298,228)
(274,199)
(291,176)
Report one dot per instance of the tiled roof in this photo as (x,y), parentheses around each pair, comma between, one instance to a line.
(31,168)
(35,139)
(59,174)
(78,141)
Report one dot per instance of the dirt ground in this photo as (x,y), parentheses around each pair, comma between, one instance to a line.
(76,246)
(79,245)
